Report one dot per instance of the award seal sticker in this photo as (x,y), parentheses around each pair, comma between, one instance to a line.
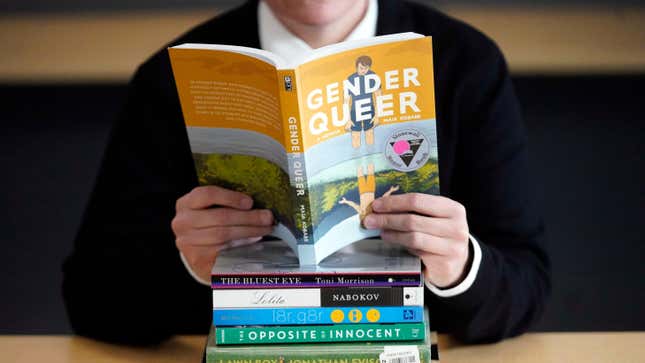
(407,150)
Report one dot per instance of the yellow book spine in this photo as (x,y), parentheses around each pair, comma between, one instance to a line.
(293,143)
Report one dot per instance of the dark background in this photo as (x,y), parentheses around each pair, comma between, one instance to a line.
(586,135)
(46,6)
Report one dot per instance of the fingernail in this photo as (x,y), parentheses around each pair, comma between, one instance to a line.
(246,203)
(377,204)
(267,218)
(369,221)
(244,241)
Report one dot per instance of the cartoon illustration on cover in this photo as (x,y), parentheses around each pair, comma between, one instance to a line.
(366,190)
(366,119)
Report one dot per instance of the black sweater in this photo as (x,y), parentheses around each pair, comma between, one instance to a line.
(124,281)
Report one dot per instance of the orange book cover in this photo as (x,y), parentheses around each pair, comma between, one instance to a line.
(315,142)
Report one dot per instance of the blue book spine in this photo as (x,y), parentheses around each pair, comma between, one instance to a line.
(314,316)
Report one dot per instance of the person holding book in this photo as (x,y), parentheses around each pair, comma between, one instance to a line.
(482,242)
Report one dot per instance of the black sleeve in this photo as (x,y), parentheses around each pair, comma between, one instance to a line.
(124,281)
(492,180)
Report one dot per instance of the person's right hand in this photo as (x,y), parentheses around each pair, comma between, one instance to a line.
(201,231)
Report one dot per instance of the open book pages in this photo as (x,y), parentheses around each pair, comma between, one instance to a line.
(281,63)
(315,142)
(276,258)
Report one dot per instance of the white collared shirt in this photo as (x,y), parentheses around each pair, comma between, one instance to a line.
(276,38)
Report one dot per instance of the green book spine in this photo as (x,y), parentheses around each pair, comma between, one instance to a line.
(316,355)
(424,351)
(320,333)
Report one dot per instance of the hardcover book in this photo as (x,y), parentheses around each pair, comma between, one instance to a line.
(315,142)
(273,264)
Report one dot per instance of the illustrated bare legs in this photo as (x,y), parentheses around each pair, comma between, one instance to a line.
(369,134)
(366,190)
(356,139)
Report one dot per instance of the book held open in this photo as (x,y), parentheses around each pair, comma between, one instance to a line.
(315,142)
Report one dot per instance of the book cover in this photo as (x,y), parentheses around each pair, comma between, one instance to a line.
(319,333)
(273,264)
(315,142)
(317,297)
(355,352)
(318,316)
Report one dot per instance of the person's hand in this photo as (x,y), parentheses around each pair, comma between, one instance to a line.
(202,231)
(342,201)
(431,227)
(348,126)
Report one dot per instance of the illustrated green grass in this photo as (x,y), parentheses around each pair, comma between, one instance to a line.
(324,197)
(269,186)
(264,181)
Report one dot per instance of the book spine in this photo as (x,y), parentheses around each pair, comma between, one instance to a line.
(320,333)
(323,353)
(293,143)
(323,297)
(317,316)
(249,281)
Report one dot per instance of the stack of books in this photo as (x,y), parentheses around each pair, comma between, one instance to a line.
(363,302)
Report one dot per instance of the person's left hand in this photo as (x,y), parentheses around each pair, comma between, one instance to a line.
(429,226)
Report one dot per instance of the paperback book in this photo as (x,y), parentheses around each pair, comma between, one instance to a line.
(317,297)
(319,333)
(314,142)
(420,351)
(317,316)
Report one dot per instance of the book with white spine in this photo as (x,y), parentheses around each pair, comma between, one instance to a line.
(318,297)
